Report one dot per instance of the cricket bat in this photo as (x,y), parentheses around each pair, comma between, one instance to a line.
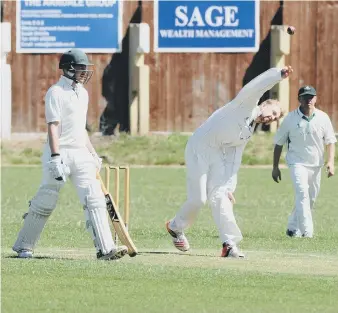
(117,220)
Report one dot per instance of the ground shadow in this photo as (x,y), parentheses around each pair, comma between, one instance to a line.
(115,86)
(261,61)
(41,257)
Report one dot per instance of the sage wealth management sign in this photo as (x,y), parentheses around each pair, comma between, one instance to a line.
(53,26)
(206,26)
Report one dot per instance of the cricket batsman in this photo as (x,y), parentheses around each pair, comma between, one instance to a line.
(213,156)
(69,153)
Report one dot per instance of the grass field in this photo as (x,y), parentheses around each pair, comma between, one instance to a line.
(149,150)
(279,274)
(134,150)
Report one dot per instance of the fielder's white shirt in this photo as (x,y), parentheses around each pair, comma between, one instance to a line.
(68,105)
(233,124)
(306,138)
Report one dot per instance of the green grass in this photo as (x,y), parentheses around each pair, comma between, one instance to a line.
(145,150)
(279,274)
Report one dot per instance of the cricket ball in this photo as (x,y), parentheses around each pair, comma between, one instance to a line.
(291,30)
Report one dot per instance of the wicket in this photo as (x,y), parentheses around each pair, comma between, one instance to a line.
(116,195)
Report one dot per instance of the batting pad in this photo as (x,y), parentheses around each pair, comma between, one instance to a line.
(30,232)
(45,200)
(98,226)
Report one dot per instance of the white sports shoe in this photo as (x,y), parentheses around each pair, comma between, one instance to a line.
(115,254)
(229,251)
(307,235)
(180,241)
(25,254)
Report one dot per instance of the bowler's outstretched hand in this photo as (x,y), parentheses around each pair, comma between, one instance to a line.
(286,71)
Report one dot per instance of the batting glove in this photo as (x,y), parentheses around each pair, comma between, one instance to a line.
(98,162)
(57,168)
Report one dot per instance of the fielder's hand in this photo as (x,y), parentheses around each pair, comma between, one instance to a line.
(329,169)
(276,174)
(286,71)
(57,169)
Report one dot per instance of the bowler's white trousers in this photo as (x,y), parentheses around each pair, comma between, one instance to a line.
(82,173)
(306,183)
(211,174)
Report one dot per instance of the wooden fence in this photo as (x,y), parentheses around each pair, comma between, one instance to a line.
(186,88)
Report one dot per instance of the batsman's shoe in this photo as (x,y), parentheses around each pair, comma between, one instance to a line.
(115,254)
(293,233)
(229,251)
(25,254)
(180,241)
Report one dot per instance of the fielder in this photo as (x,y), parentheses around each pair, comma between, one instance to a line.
(306,131)
(69,154)
(213,156)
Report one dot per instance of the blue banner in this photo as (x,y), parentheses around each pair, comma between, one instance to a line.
(206,26)
(53,26)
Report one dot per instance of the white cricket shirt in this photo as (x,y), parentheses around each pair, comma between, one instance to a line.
(306,138)
(233,124)
(68,105)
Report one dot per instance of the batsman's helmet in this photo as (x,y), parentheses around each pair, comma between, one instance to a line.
(74,64)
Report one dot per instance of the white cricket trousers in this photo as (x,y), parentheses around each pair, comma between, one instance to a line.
(306,184)
(211,174)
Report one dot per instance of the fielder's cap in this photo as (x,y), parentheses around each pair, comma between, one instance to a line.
(307,90)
